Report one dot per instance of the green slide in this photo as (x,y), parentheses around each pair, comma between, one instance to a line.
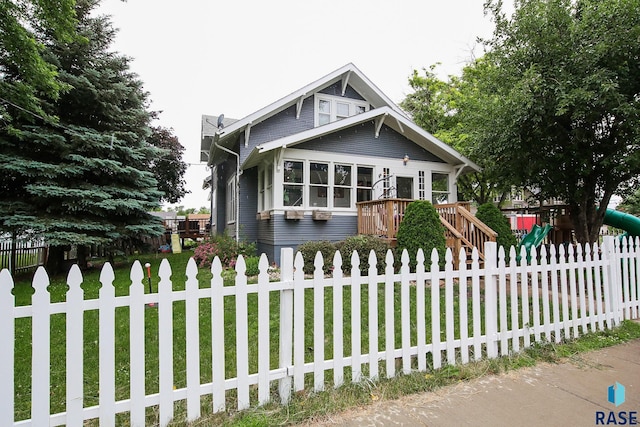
(533,239)
(623,221)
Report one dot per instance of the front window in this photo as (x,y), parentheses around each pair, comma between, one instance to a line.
(365,179)
(293,190)
(332,108)
(439,188)
(342,186)
(318,184)
(324,185)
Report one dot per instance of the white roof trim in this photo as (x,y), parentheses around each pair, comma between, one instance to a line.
(387,116)
(344,74)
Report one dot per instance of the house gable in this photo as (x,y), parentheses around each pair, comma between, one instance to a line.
(346,82)
(360,139)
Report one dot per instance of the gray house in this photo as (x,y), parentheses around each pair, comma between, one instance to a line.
(295,170)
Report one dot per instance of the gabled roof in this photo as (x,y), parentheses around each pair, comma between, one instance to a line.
(347,75)
(384,115)
(209,127)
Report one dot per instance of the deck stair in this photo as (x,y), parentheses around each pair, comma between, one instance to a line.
(382,218)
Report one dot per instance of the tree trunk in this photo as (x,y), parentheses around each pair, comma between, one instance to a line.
(55,260)
(83,252)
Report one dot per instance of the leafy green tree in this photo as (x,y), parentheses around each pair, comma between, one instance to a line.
(440,107)
(559,110)
(168,168)
(631,204)
(421,228)
(26,28)
(87,179)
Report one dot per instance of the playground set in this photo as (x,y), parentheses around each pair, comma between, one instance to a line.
(553,225)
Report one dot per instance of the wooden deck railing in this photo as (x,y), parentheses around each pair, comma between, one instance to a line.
(382,218)
(471,232)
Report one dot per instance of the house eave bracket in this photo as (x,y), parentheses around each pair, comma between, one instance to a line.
(379,123)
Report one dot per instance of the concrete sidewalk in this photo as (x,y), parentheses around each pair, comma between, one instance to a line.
(566,394)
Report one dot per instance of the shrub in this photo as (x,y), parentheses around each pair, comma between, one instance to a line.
(493,218)
(223,246)
(252,263)
(421,228)
(363,244)
(309,250)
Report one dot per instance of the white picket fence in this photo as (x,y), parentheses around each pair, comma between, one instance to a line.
(488,311)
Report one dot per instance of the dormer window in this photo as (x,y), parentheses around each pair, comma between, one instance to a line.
(332,108)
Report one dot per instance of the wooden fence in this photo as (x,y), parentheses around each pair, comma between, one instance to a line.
(364,325)
(28,255)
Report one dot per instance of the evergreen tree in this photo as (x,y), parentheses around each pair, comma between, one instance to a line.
(421,229)
(86,180)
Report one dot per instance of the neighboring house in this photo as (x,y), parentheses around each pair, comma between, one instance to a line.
(294,170)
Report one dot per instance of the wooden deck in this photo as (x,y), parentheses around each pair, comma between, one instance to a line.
(192,227)
(382,218)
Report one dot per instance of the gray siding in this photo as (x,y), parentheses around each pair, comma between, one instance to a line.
(285,123)
(282,124)
(336,90)
(360,139)
(279,232)
(248,205)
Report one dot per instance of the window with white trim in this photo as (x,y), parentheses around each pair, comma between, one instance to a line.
(439,188)
(293,190)
(342,186)
(331,108)
(231,198)
(365,179)
(325,184)
(265,188)
(421,185)
(318,184)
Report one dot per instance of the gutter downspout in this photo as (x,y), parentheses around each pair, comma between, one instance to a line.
(226,150)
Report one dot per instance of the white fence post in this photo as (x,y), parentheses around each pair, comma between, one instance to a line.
(75,350)
(449,309)
(217,336)
(435,311)
(356,322)
(165,343)
(137,345)
(405,313)
(242,335)
(373,315)
(338,316)
(420,311)
(318,323)
(192,313)
(298,321)
(106,316)
(611,283)
(264,333)
(286,324)
(389,313)
(7,340)
(635,281)
(491,309)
